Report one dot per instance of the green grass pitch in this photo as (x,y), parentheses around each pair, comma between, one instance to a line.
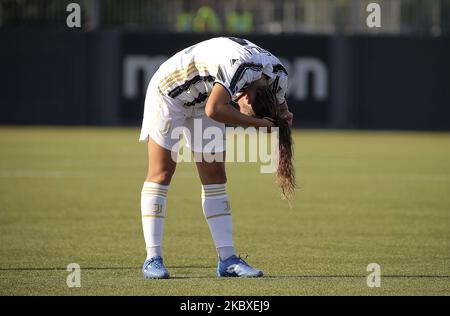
(73,194)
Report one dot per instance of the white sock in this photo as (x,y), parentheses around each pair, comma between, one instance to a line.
(225,252)
(217,211)
(153,211)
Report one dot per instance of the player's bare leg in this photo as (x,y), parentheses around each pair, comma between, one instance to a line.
(217,211)
(211,172)
(161,168)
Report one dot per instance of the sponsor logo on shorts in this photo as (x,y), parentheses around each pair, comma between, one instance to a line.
(165,128)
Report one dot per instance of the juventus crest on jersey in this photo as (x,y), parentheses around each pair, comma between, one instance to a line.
(189,75)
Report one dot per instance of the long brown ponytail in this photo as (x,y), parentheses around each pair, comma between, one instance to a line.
(266,105)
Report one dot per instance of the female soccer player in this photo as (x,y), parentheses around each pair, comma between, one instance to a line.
(198,84)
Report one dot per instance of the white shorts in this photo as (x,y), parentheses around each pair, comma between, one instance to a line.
(166,119)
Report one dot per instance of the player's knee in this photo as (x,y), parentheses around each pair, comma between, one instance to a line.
(163,176)
(216,177)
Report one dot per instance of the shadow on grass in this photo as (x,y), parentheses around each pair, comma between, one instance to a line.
(271,277)
(99,268)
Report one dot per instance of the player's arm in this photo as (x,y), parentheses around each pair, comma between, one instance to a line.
(285,113)
(218,108)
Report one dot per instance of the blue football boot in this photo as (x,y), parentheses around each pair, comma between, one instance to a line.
(154,268)
(236,267)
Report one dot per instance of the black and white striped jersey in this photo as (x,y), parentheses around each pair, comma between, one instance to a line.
(189,75)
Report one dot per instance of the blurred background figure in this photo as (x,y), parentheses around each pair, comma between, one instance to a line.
(206,20)
(239,20)
(185,17)
(193,18)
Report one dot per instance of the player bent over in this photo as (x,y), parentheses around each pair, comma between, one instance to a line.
(199,83)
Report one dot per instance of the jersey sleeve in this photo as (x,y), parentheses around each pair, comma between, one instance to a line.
(238,75)
(279,82)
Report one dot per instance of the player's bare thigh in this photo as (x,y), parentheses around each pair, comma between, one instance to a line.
(211,172)
(161,166)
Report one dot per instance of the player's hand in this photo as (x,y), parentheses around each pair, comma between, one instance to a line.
(267,122)
(285,114)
